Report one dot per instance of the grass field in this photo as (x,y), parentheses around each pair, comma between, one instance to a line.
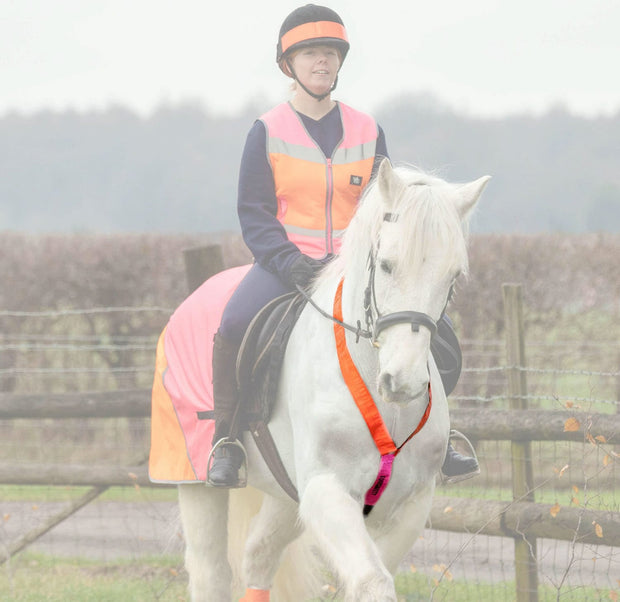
(36,578)
(40,493)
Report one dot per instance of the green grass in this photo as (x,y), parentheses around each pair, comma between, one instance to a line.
(41,493)
(600,499)
(415,587)
(36,577)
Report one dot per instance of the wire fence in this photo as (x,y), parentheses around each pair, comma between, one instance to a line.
(110,349)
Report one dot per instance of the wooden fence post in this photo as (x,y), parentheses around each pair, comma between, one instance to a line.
(526,568)
(202,263)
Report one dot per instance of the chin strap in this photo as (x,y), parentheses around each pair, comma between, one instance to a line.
(318,97)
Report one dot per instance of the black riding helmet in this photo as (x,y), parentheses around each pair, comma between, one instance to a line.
(310,25)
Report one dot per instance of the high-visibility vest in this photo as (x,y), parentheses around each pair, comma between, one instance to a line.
(317,195)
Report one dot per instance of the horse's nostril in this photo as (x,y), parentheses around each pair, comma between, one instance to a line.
(386,382)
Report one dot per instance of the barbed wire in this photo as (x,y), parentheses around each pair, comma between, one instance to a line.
(489,369)
(538,371)
(60,371)
(81,312)
(72,347)
(78,337)
(491,344)
(505,396)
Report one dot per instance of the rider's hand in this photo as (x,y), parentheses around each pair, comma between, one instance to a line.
(303,271)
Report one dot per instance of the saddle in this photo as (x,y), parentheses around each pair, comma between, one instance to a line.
(258,373)
(447,353)
(259,363)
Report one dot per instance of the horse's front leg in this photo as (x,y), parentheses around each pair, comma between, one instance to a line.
(335,519)
(204,515)
(275,526)
(398,536)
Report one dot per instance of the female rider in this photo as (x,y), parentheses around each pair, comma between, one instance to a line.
(303,169)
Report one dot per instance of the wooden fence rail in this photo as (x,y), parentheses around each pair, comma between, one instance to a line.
(482,425)
(465,515)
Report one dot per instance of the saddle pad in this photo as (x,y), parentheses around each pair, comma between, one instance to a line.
(182,386)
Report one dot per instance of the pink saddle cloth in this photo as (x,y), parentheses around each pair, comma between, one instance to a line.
(183,387)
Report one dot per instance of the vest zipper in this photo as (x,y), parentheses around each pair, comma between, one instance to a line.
(329,228)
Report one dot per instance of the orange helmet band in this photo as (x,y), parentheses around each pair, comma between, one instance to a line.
(313,30)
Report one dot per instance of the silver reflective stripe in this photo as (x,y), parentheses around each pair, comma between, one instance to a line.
(310,231)
(355,153)
(341,156)
(303,231)
(306,153)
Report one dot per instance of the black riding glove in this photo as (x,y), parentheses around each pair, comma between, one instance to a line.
(303,271)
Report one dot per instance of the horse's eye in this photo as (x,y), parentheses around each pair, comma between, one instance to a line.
(386,266)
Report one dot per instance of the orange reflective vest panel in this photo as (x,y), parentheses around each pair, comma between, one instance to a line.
(317,195)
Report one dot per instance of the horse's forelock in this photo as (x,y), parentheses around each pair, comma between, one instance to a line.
(426,212)
(430,219)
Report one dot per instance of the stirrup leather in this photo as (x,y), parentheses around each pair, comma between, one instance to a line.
(242,480)
(454,434)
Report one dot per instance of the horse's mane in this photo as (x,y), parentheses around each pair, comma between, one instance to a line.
(424,205)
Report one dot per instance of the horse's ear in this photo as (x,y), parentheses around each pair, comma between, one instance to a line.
(390,185)
(469,195)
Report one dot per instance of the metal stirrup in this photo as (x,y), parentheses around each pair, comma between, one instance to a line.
(242,479)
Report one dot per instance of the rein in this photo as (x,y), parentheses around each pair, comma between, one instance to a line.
(366,405)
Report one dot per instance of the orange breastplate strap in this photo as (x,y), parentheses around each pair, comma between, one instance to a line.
(367,407)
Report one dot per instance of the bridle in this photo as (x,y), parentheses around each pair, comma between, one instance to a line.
(376,325)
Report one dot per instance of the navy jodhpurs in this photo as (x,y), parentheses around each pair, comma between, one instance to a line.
(257,288)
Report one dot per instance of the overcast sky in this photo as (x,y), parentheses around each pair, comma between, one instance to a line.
(481,57)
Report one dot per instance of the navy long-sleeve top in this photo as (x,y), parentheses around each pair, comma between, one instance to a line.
(257,205)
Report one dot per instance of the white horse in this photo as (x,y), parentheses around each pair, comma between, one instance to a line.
(407,245)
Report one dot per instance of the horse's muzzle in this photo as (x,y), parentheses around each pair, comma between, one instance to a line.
(393,392)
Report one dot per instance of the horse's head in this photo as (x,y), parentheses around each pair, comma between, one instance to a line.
(418,251)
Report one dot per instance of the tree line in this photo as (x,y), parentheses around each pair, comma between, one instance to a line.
(176,170)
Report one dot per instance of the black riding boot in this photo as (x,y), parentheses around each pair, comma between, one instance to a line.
(228,458)
(447,353)
(457,467)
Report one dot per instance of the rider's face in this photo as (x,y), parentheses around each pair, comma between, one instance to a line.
(316,67)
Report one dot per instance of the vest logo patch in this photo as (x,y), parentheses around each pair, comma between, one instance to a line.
(356,180)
